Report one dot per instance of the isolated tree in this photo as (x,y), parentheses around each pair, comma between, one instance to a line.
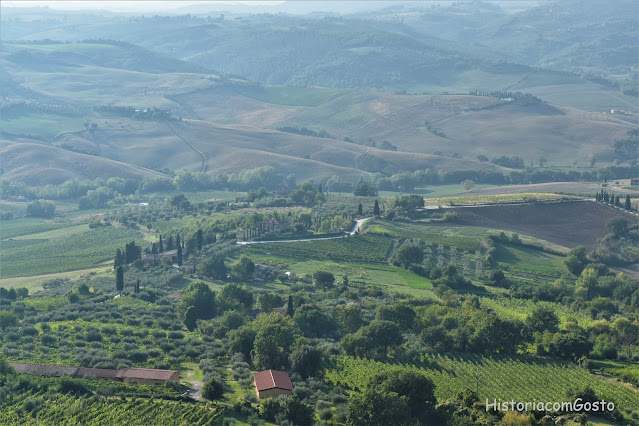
(137,286)
(199,296)
(213,267)
(541,160)
(376,208)
(408,254)
(234,297)
(323,279)
(592,160)
(213,389)
(468,184)
(119,279)
(576,260)
(41,208)
(243,269)
(360,208)
(628,206)
(190,318)
(268,301)
(617,225)
(542,319)
(161,244)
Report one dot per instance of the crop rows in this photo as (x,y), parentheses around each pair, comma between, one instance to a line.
(366,248)
(519,378)
(63,410)
(75,252)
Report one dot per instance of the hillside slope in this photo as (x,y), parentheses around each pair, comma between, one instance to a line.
(234,148)
(38,165)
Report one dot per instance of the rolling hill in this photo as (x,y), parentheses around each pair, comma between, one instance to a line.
(233,148)
(38,165)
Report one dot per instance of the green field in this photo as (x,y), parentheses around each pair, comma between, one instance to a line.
(462,237)
(294,96)
(365,248)
(68,409)
(529,264)
(42,126)
(520,308)
(26,226)
(76,251)
(521,378)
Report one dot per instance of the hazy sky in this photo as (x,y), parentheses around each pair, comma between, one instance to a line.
(127,6)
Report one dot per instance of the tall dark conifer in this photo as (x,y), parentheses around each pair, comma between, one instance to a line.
(290,311)
(119,279)
(376,208)
(200,239)
(161,244)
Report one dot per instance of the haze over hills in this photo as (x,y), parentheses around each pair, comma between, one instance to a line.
(251,90)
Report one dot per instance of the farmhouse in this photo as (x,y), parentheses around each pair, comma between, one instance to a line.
(171,254)
(150,259)
(153,247)
(634,181)
(43,369)
(141,376)
(147,376)
(272,383)
(190,266)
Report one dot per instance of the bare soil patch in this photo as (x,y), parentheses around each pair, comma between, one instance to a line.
(568,224)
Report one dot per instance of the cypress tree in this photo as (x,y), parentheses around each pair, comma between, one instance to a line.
(360,209)
(119,279)
(628,205)
(289,307)
(161,244)
(137,286)
(376,208)
(179,250)
(320,189)
(118,259)
(617,201)
(200,239)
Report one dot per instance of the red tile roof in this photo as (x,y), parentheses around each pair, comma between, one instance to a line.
(99,373)
(145,373)
(43,369)
(270,379)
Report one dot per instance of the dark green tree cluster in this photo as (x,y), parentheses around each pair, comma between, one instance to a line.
(41,208)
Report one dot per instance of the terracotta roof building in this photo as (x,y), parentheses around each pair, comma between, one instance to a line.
(147,376)
(43,369)
(141,376)
(272,383)
(98,373)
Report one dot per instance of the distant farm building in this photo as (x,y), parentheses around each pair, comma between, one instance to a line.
(147,376)
(272,383)
(141,376)
(150,259)
(190,266)
(634,181)
(171,254)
